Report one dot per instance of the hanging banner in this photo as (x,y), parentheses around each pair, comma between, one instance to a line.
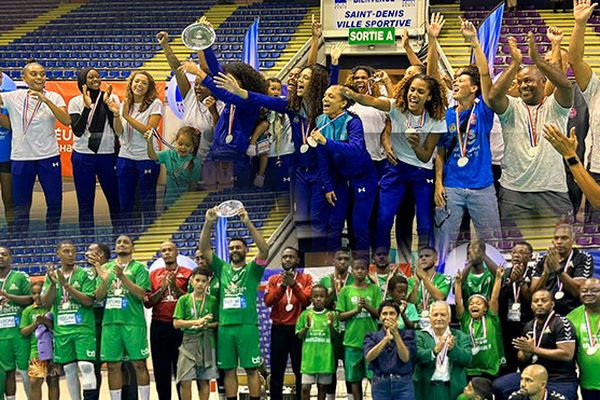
(64,134)
(346,14)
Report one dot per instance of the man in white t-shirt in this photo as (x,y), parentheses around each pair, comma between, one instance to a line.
(533,182)
(33,113)
(589,84)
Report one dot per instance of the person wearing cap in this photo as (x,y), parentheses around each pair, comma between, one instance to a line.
(534,385)
(480,321)
(547,340)
(389,353)
(443,354)
(563,270)
(586,319)
(477,389)
(288,293)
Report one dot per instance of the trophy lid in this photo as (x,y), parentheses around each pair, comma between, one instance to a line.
(229,208)
(198,36)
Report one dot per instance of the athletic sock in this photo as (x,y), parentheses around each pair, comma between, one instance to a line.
(115,394)
(144,392)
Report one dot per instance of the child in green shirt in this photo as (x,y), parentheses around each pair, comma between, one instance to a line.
(314,327)
(357,305)
(482,324)
(32,317)
(398,289)
(195,314)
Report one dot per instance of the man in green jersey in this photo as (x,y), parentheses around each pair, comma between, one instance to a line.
(237,335)
(15,295)
(357,305)
(70,292)
(124,283)
(478,276)
(427,285)
(586,319)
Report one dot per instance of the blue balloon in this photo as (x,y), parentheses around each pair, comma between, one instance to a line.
(8,85)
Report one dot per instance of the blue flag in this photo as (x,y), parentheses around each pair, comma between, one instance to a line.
(222,250)
(250,52)
(489,35)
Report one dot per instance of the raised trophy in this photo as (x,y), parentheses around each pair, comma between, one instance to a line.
(198,36)
(229,208)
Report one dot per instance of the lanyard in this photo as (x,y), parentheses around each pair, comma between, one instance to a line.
(65,295)
(304,130)
(390,274)
(288,291)
(588,329)
(441,357)
(196,314)
(333,281)
(560,284)
(27,121)
(409,121)
(329,123)
(425,295)
(472,330)
(92,112)
(463,141)
(129,127)
(169,293)
(231,117)
(538,341)
(532,124)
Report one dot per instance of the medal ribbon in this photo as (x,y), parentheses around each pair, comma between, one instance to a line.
(462,142)
(27,121)
(65,295)
(532,124)
(588,329)
(516,291)
(567,267)
(92,112)
(409,120)
(201,305)
(441,357)
(231,117)
(425,295)
(546,323)
(288,291)
(5,280)
(390,273)
(169,292)
(472,330)
(333,281)
(318,128)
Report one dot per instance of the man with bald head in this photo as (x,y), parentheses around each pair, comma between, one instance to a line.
(531,185)
(533,385)
(586,319)
(167,284)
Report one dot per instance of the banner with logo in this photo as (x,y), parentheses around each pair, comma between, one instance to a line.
(64,134)
(346,14)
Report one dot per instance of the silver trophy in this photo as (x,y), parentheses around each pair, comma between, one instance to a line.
(229,208)
(198,36)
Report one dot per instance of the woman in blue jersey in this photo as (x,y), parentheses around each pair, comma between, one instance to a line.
(94,120)
(346,173)
(417,112)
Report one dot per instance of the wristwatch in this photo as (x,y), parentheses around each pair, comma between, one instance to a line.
(573,160)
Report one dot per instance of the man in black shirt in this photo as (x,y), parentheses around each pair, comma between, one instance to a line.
(562,270)
(534,380)
(515,301)
(548,340)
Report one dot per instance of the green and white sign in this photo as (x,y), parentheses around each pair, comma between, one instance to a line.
(366,36)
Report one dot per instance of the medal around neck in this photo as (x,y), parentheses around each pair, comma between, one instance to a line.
(559,295)
(462,161)
(591,350)
(198,36)
(304,148)
(312,142)
(410,131)
(229,208)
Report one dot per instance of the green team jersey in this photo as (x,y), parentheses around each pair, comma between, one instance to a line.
(487,350)
(478,284)
(327,281)
(317,350)
(362,323)
(16,283)
(238,290)
(70,316)
(588,364)
(411,314)
(187,311)
(121,306)
(441,281)
(27,318)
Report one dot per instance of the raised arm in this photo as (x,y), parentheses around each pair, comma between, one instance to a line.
(582,12)
(261,243)
(182,82)
(334,71)
(316,33)
(366,100)
(564,90)
(496,290)
(567,147)
(228,83)
(498,100)
(555,36)
(458,295)
(470,34)
(433,31)
(204,242)
(413,59)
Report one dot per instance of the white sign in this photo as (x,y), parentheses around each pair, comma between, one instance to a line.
(345,14)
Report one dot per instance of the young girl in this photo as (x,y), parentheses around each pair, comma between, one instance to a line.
(94,120)
(481,322)
(195,314)
(417,112)
(140,112)
(183,168)
(344,166)
(32,317)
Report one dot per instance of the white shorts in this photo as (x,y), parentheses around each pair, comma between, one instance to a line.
(319,379)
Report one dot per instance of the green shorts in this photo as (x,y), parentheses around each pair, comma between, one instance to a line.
(74,347)
(355,366)
(119,341)
(238,341)
(14,354)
